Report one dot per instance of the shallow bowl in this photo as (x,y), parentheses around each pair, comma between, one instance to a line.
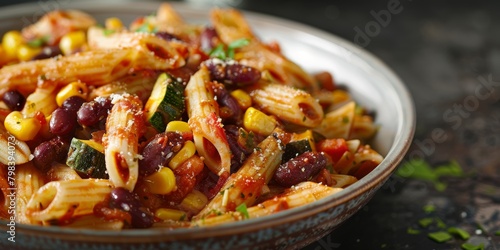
(372,83)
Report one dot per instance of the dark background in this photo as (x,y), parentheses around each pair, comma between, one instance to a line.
(448,55)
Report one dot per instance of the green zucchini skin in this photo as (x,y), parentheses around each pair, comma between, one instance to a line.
(86,160)
(166,102)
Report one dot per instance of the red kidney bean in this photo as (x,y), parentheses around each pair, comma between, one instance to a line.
(230,111)
(166,36)
(45,153)
(73,103)
(90,113)
(208,39)
(14,100)
(130,202)
(232,73)
(239,150)
(62,122)
(158,152)
(300,168)
(48,52)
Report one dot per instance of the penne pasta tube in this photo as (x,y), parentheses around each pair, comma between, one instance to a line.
(138,83)
(246,185)
(342,180)
(124,127)
(208,134)
(158,52)
(338,123)
(299,195)
(292,105)
(28,180)
(13,150)
(62,172)
(66,199)
(5,192)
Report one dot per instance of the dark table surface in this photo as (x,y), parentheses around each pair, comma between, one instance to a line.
(448,55)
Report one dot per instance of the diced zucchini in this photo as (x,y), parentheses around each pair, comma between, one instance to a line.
(299,144)
(166,102)
(87,158)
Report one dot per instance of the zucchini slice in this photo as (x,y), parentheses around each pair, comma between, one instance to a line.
(166,102)
(87,158)
(299,144)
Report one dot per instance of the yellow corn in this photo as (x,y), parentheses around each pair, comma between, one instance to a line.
(178,126)
(26,52)
(72,89)
(170,214)
(23,129)
(186,152)
(71,42)
(11,41)
(243,98)
(258,122)
(194,201)
(161,182)
(113,23)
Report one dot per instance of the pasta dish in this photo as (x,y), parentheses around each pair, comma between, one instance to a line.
(165,123)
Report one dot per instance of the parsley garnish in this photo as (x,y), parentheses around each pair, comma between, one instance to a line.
(440,236)
(242,208)
(221,53)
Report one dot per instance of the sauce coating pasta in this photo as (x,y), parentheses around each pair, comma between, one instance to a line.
(164,123)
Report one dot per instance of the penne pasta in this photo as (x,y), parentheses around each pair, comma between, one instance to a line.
(292,105)
(28,181)
(203,111)
(65,199)
(124,126)
(302,194)
(338,123)
(246,184)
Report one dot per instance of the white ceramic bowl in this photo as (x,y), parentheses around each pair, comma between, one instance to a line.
(372,83)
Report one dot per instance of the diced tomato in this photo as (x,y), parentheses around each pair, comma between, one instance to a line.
(335,148)
(365,168)
(326,80)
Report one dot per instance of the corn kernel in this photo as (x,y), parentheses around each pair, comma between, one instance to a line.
(11,41)
(258,122)
(161,182)
(194,201)
(23,129)
(72,89)
(72,42)
(170,214)
(178,126)
(186,152)
(26,53)
(113,23)
(244,100)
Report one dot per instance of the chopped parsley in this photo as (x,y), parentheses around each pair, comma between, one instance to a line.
(421,170)
(221,53)
(440,236)
(242,208)
(411,230)
(469,246)
(464,235)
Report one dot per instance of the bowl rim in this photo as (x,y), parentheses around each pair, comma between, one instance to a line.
(401,144)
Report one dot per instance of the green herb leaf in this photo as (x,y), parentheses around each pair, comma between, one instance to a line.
(469,246)
(425,222)
(242,208)
(38,42)
(464,235)
(440,223)
(108,32)
(429,208)
(412,231)
(218,52)
(497,233)
(440,236)
(238,43)
(450,169)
